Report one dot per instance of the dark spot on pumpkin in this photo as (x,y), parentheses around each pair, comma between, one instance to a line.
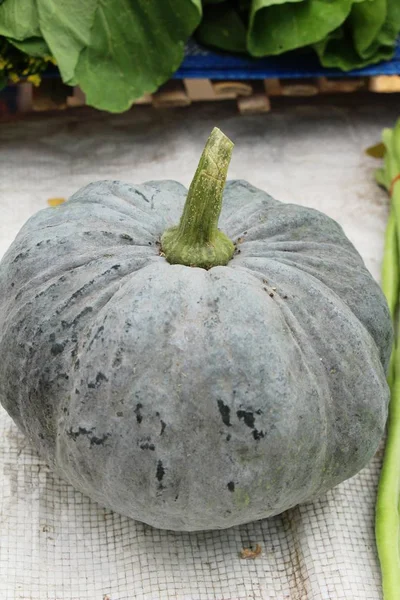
(79,292)
(93,439)
(63,376)
(96,335)
(147,446)
(107,233)
(247,416)
(118,358)
(77,391)
(271,294)
(120,414)
(163,426)
(160,471)
(57,349)
(99,441)
(141,195)
(100,377)
(176,497)
(20,256)
(285,297)
(231,486)
(228,437)
(125,236)
(137,411)
(257,435)
(12,284)
(52,337)
(150,243)
(83,313)
(225,412)
(80,431)
(41,436)
(115,267)
(65,409)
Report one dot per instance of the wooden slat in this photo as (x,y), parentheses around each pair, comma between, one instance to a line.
(170,95)
(385,84)
(52,94)
(273,87)
(332,86)
(254,104)
(77,98)
(24,97)
(146,99)
(199,89)
(232,89)
(299,88)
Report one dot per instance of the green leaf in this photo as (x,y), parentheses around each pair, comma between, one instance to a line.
(277,26)
(222,28)
(366,20)
(19,20)
(133,48)
(34,46)
(369,36)
(377,150)
(67,28)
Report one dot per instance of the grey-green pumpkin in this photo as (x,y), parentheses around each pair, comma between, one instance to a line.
(199,395)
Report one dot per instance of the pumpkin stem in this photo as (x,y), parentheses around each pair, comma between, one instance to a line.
(197,241)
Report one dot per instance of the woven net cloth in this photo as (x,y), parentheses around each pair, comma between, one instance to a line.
(55,543)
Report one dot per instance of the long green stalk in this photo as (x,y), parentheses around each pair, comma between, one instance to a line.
(387,517)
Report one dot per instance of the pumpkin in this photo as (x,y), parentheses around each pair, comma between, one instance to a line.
(189,376)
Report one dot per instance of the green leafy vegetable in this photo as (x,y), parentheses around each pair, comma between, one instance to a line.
(19,20)
(346,34)
(115,50)
(132,52)
(277,26)
(222,27)
(66,26)
(118,50)
(387,506)
(367,37)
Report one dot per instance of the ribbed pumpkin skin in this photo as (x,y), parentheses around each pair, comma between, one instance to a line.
(191,399)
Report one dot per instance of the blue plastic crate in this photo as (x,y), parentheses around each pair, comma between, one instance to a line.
(200,62)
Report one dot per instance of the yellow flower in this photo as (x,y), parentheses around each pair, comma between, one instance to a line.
(50,59)
(13,77)
(34,79)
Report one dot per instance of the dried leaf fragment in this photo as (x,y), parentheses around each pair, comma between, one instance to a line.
(250,553)
(376,151)
(55,201)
